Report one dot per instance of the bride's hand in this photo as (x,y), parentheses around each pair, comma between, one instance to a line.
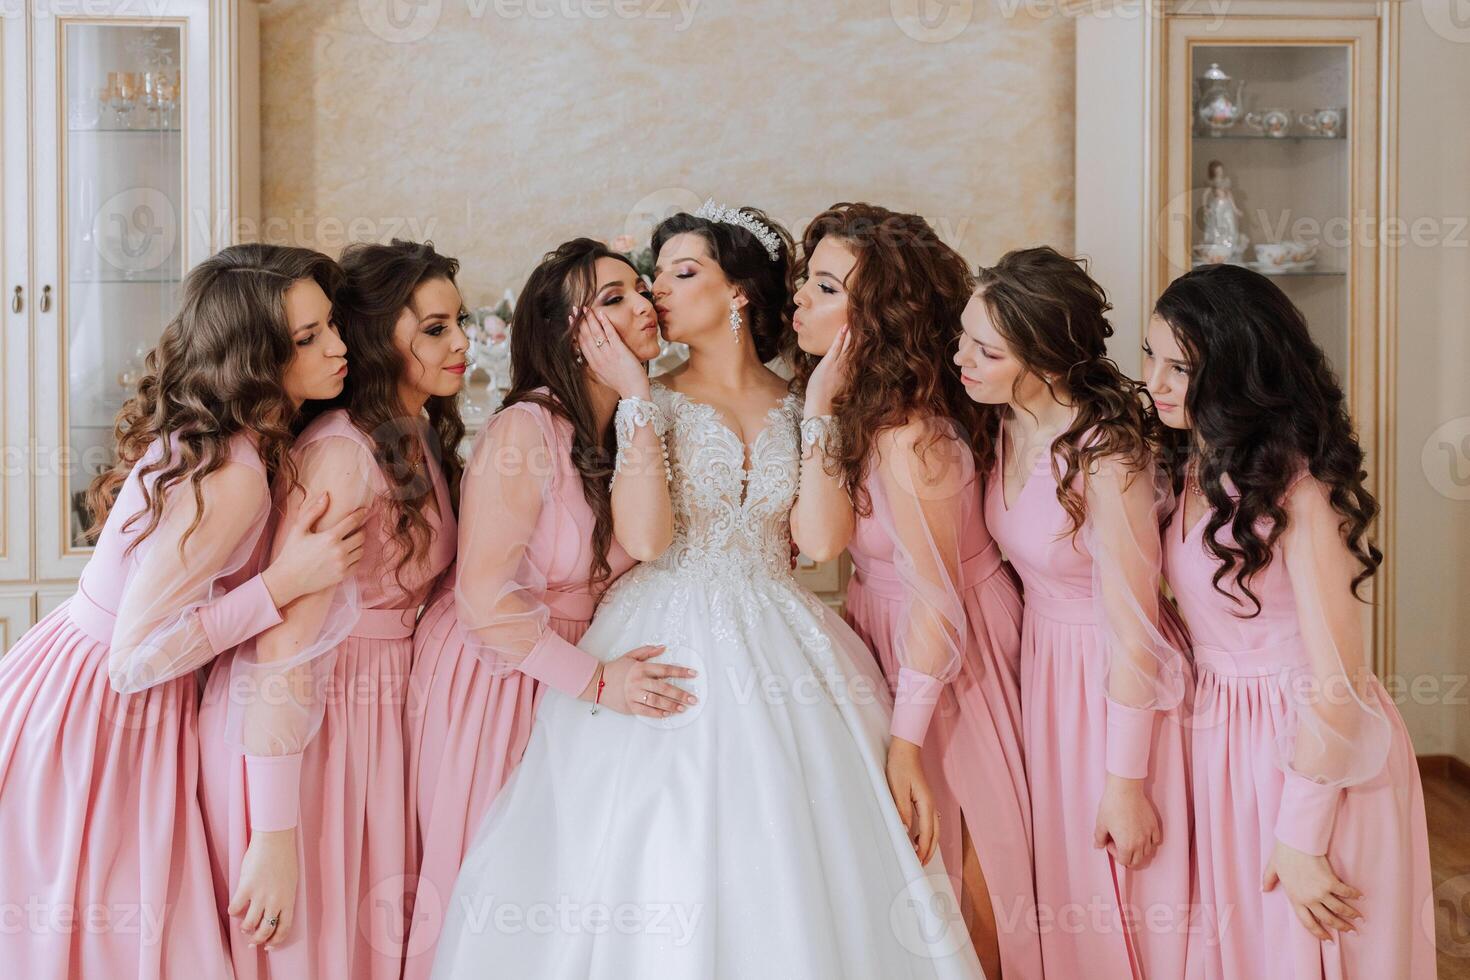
(915,800)
(637,687)
(611,361)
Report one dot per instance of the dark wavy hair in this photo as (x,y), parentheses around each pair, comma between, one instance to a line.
(543,355)
(1263,402)
(906,292)
(766,282)
(379,282)
(1053,316)
(216,372)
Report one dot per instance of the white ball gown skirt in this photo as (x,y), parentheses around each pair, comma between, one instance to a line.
(752,836)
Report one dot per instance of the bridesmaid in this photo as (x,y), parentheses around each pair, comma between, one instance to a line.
(1071,499)
(102,844)
(930,595)
(536,552)
(303,732)
(1303,769)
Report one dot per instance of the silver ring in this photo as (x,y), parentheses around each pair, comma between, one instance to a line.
(274,921)
(599,342)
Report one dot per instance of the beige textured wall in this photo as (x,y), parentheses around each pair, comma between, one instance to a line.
(499,131)
(1433,404)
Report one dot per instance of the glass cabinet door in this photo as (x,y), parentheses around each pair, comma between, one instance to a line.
(1274,158)
(1271,129)
(121,110)
(122,166)
(1270,170)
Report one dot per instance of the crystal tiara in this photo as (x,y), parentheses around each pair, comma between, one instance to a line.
(711,211)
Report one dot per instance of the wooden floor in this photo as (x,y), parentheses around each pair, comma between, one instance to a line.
(1447,803)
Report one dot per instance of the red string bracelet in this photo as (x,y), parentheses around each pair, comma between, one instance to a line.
(601,683)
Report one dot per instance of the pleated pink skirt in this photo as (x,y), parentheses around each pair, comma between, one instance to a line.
(351,916)
(972,753)
(104,868)
(467,728)
(1379,845)
(1097,918)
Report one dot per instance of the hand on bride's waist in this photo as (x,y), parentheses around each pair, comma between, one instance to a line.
(634,685)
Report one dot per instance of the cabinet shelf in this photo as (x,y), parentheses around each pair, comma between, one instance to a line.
(1262,138)
(1284,273)
(120,280)
(155,130)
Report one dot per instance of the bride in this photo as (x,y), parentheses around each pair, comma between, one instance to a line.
(745,829)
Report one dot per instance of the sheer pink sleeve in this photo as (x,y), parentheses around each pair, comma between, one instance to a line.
(175,615)
(279,681)
(499,588)
(1146,671)
(1341,736)
(918,499)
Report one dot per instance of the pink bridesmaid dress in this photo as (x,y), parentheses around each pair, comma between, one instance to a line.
(1103,677)
(1334,775)
(502,626)
(103,861)
(304,728)
(931,597)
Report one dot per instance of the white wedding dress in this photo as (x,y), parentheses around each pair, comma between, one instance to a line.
(752,836)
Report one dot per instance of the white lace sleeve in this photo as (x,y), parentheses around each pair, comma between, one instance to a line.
(633,414)
(819,431)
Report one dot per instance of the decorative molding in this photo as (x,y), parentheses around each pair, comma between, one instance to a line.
(1220,9)
(1388,342)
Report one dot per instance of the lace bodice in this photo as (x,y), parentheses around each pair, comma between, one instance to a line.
(726,519)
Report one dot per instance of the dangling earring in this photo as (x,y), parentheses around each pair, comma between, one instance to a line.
(578,358)
(735,323)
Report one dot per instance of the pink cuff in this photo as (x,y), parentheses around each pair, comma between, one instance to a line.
(1305,819)
(1130,737)
(913,704)
(273,791)
(245,611)
(559,664)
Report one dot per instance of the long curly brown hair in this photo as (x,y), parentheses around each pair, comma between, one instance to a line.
(216,372)
(1263,402)
(905,295)
(542,355)
(1053,316)
(378,285)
